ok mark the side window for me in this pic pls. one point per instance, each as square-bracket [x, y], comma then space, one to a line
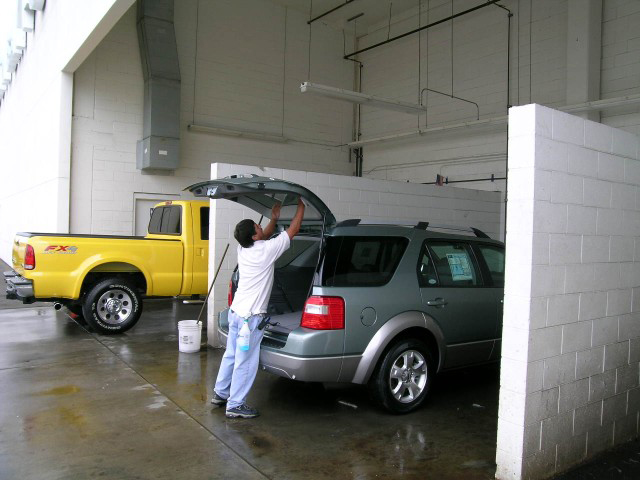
[453, 262]
[155, 220]
[166, 220]
[361, 261]
[494, 258]
[426, 270]
[204, 223]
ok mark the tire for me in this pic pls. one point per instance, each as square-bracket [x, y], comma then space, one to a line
[402, 380]
[112, 306]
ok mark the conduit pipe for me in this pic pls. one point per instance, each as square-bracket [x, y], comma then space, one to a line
[451, 96]
[446, 180]
[433, 24]
[347, 2]
[502, 120]
[467, 160]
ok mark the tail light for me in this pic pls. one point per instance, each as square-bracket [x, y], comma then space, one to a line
[323, 313]
[29, 258]
[230, 294]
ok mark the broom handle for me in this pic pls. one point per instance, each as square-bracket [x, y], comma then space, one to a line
[214, 281]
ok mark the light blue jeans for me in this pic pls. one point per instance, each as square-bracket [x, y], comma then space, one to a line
[238, 368]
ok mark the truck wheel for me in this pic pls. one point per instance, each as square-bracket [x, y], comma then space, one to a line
[402, 379]
[112, 306]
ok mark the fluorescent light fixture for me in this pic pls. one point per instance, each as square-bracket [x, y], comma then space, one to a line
[363, 98]
[227, 132]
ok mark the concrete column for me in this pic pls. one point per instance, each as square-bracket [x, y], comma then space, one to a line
[584, 43]
[65, 109]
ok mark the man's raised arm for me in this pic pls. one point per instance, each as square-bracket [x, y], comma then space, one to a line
[270, 228]
[294, 228]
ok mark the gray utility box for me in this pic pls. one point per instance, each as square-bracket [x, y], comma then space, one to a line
[158, 152]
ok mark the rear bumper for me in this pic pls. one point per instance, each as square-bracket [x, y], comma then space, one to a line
[18, 287]
[304, 369]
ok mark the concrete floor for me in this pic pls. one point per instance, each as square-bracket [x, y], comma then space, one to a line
[77, 405]
[80, 405]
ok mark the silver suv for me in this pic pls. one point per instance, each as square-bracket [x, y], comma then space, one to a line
[388, 306]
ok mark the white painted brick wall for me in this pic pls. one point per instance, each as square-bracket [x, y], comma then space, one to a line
[620, 59]
[582, 309]
[538, 51]
[220, 89]
[246, 82]
[347, 197]
[479, 74]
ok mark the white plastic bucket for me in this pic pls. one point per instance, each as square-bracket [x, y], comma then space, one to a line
[189, 335]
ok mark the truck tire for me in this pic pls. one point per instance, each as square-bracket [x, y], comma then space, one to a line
[403, 377]
[112, 306]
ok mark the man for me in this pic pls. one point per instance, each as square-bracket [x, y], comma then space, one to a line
[256, 257]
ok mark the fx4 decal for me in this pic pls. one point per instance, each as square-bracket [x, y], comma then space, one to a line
[60, 249]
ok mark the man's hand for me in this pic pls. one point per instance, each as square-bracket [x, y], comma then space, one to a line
[271, 227]
[275, 211]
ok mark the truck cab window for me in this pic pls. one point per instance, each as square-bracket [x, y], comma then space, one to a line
[204, 223]
[166, 220]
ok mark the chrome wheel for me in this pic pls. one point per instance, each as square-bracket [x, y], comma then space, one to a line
[114, 306]
[408, 376]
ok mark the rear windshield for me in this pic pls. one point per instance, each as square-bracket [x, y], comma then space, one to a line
[299, 253]
[166, 220]
[361, 261]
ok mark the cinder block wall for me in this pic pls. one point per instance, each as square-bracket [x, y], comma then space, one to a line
[468, 58]
[241, 65]
[571, 336]
[347, 197]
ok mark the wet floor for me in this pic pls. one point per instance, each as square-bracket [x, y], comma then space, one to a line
[80, 405]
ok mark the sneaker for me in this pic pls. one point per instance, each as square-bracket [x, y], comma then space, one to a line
[242, 411]
[218, 400]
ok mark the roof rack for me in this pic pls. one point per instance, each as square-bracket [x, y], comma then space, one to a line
[352, 222]
[477, 232]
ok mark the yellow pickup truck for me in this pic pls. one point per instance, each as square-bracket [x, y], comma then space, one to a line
[104, 278]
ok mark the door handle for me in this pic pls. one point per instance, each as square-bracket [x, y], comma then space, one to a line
[438, 302]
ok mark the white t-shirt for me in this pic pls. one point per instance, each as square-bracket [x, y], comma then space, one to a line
[256, 266]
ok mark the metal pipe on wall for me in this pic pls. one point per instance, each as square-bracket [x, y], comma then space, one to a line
[489, 2]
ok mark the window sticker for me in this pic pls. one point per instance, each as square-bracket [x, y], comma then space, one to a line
[460, 267]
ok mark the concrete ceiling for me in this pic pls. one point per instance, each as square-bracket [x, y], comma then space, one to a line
[375, 11]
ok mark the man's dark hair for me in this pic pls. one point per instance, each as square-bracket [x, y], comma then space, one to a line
[245, 229]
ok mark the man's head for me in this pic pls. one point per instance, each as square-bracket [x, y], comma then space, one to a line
[247, 231]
